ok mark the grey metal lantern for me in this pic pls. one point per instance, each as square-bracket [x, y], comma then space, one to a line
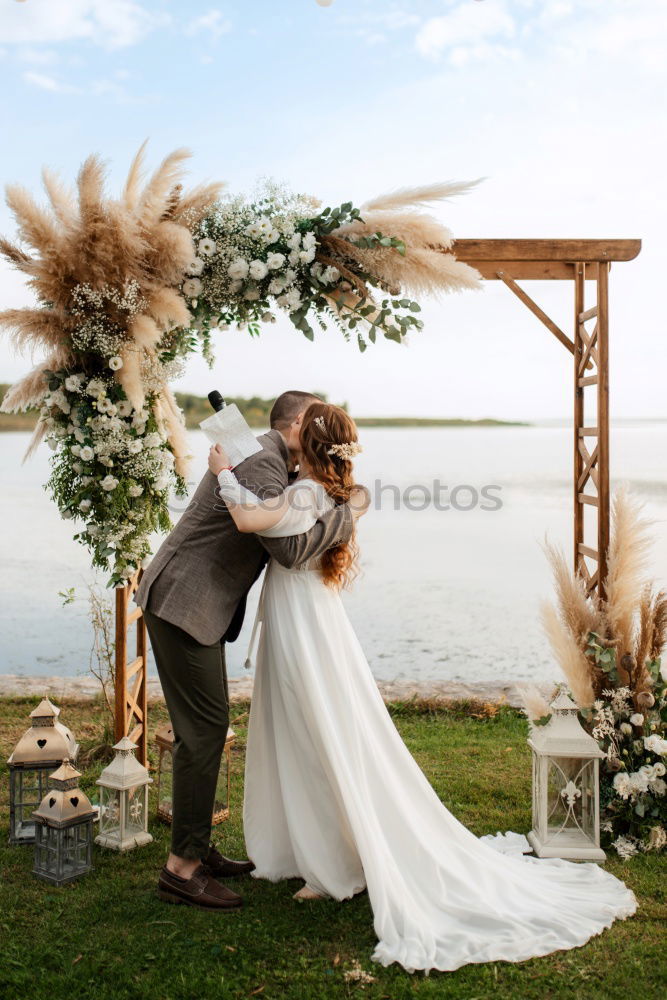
[566, 803]
[164, 738]
[124, 800]
[63, 829]
[39, 752]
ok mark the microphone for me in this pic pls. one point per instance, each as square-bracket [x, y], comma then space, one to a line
[216, 400]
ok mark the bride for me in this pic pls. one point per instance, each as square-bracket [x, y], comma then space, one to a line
[333, 795]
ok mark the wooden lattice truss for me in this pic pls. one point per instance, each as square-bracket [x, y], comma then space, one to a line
[509, 261]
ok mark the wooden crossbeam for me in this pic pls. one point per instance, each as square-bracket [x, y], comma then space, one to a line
[535, 309]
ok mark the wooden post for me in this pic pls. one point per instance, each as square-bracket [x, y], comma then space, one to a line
[603, 425]
[579, 306]
[130, 682]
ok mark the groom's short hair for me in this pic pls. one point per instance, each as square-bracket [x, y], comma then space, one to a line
[288, 406]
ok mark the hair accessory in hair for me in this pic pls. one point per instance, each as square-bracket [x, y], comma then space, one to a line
[320, 423]
[346, 451]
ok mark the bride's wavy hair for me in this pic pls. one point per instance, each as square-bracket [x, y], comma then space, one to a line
[325, 425]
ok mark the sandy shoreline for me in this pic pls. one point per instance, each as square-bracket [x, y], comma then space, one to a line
[240, 689]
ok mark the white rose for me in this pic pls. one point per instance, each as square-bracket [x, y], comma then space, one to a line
[659, 786]
[253, 230]
[309, 240]
[273, 236]
[105, 460]
[66, 515]
[139, 418]
[290, 275]
[78, 468]
[86, 453]
[115, 363]
[95, 387]
[109, 483]
[294, 256]
[93, 530]
[268, 317]
[305, 256]
[76, 450]
[192, 287]
[73, 383]
[655, 744]
[85, 506]
[275, 261]
[85, 480]
[135, 490]
[251, 294]
[626, 728]
[293, 299]
[196, 266]
[161, 483]
[330, 274]
[238, 269]
[235, 287]
[659, 769]
[135, 446]
[152, 440]
[637, 719]
[277, 286]
[294, 242]
[258, 269]
[207, 247]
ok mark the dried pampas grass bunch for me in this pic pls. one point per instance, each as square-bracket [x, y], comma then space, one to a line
[617, 642]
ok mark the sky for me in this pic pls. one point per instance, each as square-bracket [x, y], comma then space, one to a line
[559, 106]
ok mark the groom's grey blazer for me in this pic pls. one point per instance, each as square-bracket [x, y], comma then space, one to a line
[202, 572]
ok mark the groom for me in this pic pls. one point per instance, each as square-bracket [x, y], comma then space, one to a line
[193, 595]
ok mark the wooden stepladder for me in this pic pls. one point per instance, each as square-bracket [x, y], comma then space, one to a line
[131, 691]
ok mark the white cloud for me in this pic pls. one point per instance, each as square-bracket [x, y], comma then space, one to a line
[213, 23]
[49, 83]
[468, 24]
[109, 23]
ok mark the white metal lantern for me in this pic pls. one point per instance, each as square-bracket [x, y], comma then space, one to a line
[566, 803]
[124, 800]
[63, 829]
[40, 751]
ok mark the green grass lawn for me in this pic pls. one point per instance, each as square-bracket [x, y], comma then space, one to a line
[109, 937]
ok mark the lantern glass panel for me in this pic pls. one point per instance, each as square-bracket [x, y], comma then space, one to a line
[136, 800]
[63, 853]
[27, 787]
[570, 795]
[110, 812]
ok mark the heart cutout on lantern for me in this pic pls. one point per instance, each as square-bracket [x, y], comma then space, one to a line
[52, 802]
[74, 800]
[41, 744]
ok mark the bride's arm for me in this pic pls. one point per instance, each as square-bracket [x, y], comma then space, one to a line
[250, 514]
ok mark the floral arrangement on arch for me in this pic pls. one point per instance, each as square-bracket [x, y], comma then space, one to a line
[610, 654]
[128, 287]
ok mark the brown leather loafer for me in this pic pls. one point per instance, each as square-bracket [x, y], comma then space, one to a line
[219, 866]
[199, 890]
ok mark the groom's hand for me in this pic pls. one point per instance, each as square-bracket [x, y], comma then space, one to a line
[217, 459]
[360, 501]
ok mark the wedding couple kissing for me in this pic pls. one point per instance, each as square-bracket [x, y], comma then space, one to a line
[332, 795]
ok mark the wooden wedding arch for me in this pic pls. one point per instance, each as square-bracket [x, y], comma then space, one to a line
[575, 261]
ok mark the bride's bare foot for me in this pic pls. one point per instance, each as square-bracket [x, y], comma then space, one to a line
[307, 893]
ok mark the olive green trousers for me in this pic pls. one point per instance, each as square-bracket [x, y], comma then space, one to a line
[194, 683]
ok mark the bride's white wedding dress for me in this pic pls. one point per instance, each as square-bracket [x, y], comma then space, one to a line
[333, 795]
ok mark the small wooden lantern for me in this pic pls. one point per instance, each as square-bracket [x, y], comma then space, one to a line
[164, 739]
[40, 751]
[63, 829]
[124, 800]
[566, 790]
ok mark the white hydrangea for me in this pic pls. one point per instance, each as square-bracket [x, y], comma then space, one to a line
[135, 446]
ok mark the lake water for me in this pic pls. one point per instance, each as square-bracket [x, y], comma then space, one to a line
[444, 594]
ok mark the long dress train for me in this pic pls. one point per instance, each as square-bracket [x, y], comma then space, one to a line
[333, 795]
